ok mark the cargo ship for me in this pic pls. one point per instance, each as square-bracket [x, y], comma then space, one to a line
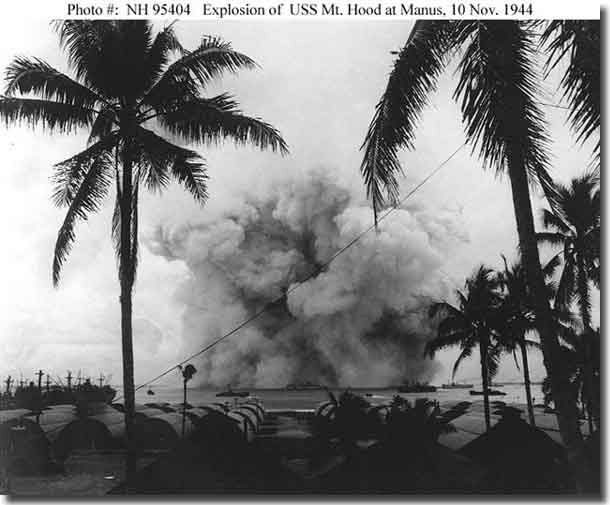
[40, 396]
[490, 392]
[456, 385]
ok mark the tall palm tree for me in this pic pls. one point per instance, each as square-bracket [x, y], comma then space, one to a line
[127, 80]
[469, 325]
[498, 93]
[575, 362]
[574, 225]
[517, 318]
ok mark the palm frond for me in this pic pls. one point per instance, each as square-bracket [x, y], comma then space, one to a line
[159, 54]
[103, 125]
[209, 121]
[580, 42]
[532, 344]
[160, 159]
[35, 76]
[197, 68]
[466, 353]
[443, 309]
[497, 91]
[548, 270]
[553, 221]
[88, 198]
[515, 359]
[565, 289]
[53, 116]
[442, 341]
[88, 44]
[69, 174]
[550, 238]
[583, 295]
[411, 81]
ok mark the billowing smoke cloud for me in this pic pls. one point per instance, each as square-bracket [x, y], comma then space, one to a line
[360, 321]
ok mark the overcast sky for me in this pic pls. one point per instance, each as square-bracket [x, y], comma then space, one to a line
[318, 84]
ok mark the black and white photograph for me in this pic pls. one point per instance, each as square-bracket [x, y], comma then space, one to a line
[301, 249]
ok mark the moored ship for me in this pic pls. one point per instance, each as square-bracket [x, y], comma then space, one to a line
[456, 385]
[37, 397]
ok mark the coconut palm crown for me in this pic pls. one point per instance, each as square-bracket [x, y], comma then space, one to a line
[129, 87]
[575, 227]
[125, 86]
[470, 325]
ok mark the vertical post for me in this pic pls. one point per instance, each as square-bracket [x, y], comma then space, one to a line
[48, 383]
[184, 409]
[40, 374]
[69, 379]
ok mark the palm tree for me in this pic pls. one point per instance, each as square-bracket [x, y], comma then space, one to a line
[576, 364]
[469, 325]
[574, 225]
[125, 80]
[498, 95]
[517, 318]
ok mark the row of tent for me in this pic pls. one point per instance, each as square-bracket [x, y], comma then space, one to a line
[30, 440]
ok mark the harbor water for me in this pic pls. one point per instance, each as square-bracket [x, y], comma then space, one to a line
[282, 399]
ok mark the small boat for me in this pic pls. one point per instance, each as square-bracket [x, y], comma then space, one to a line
[231, 393]
[490, 392]
[456, 385]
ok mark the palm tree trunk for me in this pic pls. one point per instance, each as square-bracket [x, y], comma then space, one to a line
[126, 278]
[565, 402]
[585, 316]
[485, 381]
[526, 380]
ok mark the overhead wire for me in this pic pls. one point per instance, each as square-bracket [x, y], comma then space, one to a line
[298, 284]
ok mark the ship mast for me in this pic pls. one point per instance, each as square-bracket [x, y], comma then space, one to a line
[40, 374]
[8, 382]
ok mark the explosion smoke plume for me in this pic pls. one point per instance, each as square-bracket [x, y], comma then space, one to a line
[360, 321]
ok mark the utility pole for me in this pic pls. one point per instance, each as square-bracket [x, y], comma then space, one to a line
[40, 374]
[101, 379]
[69, 379]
